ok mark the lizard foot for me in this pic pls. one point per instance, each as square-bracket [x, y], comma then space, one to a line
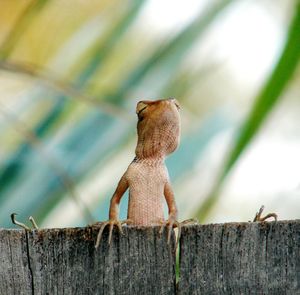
[258, 216]
[171, 223]
[111, 223]
[31, 219]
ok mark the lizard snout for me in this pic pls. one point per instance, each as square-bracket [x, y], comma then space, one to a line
[174, 101]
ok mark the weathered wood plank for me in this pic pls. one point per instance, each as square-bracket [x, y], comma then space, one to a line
[236, 258]
[65, 261]
[241, 258]
[15, 277]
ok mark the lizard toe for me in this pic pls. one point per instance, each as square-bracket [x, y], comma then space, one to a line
[259, 218]
[111, 223]
[172, 223]
[99, 236]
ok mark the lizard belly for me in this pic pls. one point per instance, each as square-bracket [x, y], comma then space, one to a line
[146, 191]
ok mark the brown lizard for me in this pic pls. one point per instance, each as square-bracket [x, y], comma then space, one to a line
[158, 130]
[147, 178]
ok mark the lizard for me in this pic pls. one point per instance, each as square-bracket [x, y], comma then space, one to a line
[158, 131]
[147, 178]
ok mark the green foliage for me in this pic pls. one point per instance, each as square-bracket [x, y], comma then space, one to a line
[75, 112]
[270, 94]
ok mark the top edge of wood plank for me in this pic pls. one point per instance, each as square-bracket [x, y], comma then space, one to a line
[157, 228]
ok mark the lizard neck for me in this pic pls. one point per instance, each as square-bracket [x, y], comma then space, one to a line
[151, 161]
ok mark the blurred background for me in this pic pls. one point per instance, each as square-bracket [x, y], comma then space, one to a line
[71, 73]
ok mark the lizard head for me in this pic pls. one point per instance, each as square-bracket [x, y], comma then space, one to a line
[158, 127]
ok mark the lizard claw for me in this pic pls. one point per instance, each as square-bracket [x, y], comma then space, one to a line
[111, 223]
[259, 213]
[31, 219]
[14, 221]
[171, 223]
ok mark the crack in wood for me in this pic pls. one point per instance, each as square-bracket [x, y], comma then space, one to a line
[223, 259]
[29, 263]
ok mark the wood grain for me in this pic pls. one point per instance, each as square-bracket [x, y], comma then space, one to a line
[65, 261]
[15, 276]
[241, 258]
[215, 259]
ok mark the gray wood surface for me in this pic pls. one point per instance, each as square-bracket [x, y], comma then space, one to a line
[241, 258]
[15, 276]
[64, 261]
[231, 259]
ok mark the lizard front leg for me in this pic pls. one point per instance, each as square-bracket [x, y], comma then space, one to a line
[173, 212]
[114, 212]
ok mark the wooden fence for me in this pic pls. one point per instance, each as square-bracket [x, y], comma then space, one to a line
[233, 258]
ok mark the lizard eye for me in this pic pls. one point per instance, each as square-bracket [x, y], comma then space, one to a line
[141, 110]
[140, 107]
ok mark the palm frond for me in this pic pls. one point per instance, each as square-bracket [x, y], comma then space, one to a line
[270, 94]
